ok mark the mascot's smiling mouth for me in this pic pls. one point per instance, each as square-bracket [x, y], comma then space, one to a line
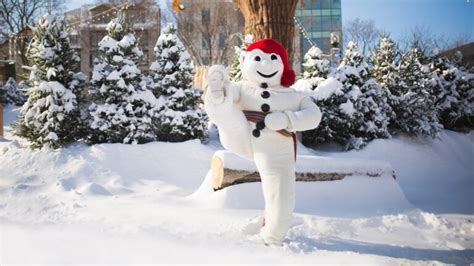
[267, 76]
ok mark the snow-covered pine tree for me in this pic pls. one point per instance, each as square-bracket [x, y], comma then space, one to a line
[465, 88]
[122, 106]
[372, 116]
[384, 61]
[234, 70]
[367, 105]
[50, 116]
[335, 124]
[357, 111]
[316, 67]
[454, 91]
[415, 111]
[180, 118]
[338, 107]
[11, 93]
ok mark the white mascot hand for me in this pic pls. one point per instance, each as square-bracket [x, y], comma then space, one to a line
[276, 121]
[217, 79]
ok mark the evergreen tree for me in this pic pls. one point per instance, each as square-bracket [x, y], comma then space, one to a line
[384, 60]
[234, 71]
[123, 107]
[50, 116]
[464, 118]
[356, 111]
[335, 124]
[372, 115]
[338, 106]
[10, 93]
[415, 109]
[180, 118]
[316, 67]
[454, 94]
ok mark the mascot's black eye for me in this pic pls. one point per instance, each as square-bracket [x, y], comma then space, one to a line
[257, 58]
[274, 57]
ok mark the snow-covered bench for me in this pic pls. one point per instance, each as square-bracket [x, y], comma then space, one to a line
[229, 169]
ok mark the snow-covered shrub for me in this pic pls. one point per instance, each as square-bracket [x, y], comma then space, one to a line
[50, 116]
[122, 106]
[234, 70]
[355, 109]
[454, 91]
[316, 67]
[11, 93]
[180, 118]
[415, 105]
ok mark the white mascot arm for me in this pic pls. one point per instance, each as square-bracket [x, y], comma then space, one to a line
[220, 103]
[307, 117]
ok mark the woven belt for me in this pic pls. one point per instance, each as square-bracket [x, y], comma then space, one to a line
[256, 116]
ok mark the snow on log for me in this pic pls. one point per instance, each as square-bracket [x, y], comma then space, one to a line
[229, 169]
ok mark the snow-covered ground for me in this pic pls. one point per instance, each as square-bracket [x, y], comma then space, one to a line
[115, 203]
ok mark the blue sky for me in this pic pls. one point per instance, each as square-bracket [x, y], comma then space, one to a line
[442, 17]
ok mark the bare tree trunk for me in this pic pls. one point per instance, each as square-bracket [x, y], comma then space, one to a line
[270, 19]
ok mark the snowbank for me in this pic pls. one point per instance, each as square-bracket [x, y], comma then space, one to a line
[435, 175]
[116, 203]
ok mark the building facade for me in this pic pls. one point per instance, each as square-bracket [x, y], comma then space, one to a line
[209, 29]
[319, 18]
[13, 55]
[88, 28]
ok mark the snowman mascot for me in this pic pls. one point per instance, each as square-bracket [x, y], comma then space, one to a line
[257, 119]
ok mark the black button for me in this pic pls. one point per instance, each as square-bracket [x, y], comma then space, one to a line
[265, 107]
[264, 85]
[260, 125]
[265, 94]
[256, 133]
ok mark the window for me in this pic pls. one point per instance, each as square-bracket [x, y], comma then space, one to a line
[144, 59]
[204, 44]
[325, 3]
[336, 12]
[96, 37]
[206, 15]
[336, 22]
[221, 40]
[307, 23]
[75, 39]
[93, 55]
[325, 12]
[326, 22]
[142, 37]
[336, 4]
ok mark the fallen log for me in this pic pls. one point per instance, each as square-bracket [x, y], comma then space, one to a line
[229, 169]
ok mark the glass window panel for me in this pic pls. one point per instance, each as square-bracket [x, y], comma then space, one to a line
[316, 26]
[325, 3]
[326, 23]
[307, 23]
[316, 12]
[336, 22]
[315, 34]
[336, 12]
[325, 12]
